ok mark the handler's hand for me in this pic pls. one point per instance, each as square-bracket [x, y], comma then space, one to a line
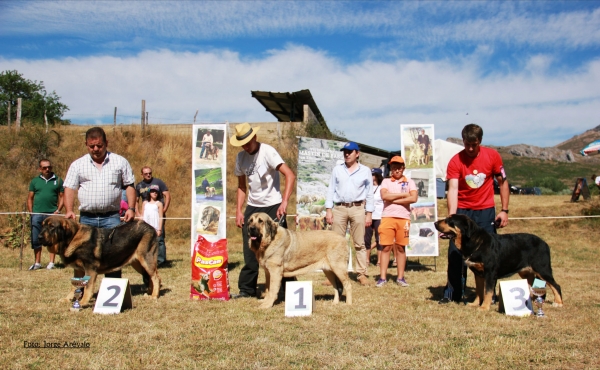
[501, 220]
[281, 210]
[129, 215]
[329, 216]
[239, 219]
[70, 214]
[368, 219]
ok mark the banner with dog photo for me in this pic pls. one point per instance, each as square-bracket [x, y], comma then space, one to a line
[209, 272]
[417, 151]
[316, 159]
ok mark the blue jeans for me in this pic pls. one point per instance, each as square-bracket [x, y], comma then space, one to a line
[162, 248]
[36, 228]
[104, 222]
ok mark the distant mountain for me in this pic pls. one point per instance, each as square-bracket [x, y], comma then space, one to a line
[577, 142]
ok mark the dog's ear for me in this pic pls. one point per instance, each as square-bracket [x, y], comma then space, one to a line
[215, 215]
[271, 227]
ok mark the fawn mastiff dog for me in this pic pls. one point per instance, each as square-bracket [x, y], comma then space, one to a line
[92, 251]
[495, 256]
[285, 253]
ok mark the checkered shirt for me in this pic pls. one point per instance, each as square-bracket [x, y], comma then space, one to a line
[99, 191]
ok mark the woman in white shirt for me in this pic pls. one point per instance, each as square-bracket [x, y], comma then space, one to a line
[376, 217]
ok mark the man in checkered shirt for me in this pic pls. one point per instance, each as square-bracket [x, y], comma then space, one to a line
[98, 178]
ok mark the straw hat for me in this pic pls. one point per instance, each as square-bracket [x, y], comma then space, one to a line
[243, 134]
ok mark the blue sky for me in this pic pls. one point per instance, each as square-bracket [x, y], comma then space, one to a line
[527, 72]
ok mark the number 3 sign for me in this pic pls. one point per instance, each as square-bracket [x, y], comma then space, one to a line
[299, 298]
[515, 294]
[114, 296]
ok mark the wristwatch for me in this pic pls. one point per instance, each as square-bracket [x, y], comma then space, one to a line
[133, 209]
[505, 211]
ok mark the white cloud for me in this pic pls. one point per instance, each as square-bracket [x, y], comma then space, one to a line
[417, 23]
[366, 100]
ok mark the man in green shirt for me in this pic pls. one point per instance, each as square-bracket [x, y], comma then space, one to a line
[45, 199]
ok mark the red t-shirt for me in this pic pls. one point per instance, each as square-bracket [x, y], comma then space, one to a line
[476, 177]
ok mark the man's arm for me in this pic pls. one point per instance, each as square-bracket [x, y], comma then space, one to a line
[167, 199]
[241, 198]
[504, 197]
[290, 179]
[30, 201]
[452, 196]
[60, 202]
[131, 201]
[69, 200]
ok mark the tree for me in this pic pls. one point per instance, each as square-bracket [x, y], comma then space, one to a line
[35, 100]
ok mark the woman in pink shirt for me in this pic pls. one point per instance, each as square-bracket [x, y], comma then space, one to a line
[398, 193]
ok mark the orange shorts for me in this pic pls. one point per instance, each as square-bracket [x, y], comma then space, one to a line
[393, 230]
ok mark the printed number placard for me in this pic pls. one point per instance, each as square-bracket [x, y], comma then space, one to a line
[516, 297]
[114, 296]
[299, 298]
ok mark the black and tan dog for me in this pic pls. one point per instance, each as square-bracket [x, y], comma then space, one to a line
[286, 253]
[493, 256]
[92, 251]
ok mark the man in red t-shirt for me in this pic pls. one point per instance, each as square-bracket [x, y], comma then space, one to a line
[470, 176]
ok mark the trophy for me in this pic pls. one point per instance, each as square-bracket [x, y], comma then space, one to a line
[78, 283]
[538, 289]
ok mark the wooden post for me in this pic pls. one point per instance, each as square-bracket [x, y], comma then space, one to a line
[143, 114]
[19, 104]
[194, 115]
[115, 119]
[46, 121]
[9, 105]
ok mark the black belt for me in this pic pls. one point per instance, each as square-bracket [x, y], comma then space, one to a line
[93, 214]
[351, 204]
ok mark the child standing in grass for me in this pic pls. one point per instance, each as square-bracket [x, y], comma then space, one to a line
[152, 209]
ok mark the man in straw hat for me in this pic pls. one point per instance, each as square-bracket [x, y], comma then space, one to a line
[350, 191]
[257, 168]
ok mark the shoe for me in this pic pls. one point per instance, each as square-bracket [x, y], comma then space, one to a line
[380, 283]
[402, 282]
[241, 295]
[35, 266]
[363, 280]
[377, 264]
[50, 266]
[444, 300]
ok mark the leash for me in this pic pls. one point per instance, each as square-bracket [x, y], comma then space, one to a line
[281, 220]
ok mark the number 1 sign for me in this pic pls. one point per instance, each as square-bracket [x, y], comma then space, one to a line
[299, 298]
[114, 296]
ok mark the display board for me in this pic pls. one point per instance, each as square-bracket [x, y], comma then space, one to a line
[417, 144]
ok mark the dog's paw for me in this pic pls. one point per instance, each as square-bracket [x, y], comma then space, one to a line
[473, 304]
[266, 305]
[483, 308]
[557, 304]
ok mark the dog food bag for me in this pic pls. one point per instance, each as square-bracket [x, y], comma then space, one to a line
[210, 277]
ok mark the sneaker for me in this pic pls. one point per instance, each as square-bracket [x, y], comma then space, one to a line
[35, 266]
[380, 283]
[50, 266]
[402, 282]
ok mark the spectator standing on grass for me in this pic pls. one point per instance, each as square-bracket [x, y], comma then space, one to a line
[398, 193]
[45, 199]
[98, 178]
[471, 192]
[142, 190]
[377, 175]
[152, 209]
[350, 201]
[596, 180]
[257, 168]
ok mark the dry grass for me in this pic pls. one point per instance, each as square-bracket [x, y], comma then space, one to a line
[391, 327]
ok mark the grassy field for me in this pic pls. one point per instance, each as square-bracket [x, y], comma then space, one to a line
[391, 327]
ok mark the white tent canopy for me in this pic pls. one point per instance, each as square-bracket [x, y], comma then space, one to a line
[444, 151]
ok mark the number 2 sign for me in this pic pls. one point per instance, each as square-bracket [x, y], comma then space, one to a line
[114, 296]
[515, 294]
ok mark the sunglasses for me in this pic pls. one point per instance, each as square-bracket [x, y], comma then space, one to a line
[46, 167]
[146, 173]
[99, 146]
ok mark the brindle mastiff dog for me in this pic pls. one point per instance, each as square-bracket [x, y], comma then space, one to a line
[92, 251]
[282, 252]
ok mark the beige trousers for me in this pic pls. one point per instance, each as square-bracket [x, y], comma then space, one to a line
[354, 215]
